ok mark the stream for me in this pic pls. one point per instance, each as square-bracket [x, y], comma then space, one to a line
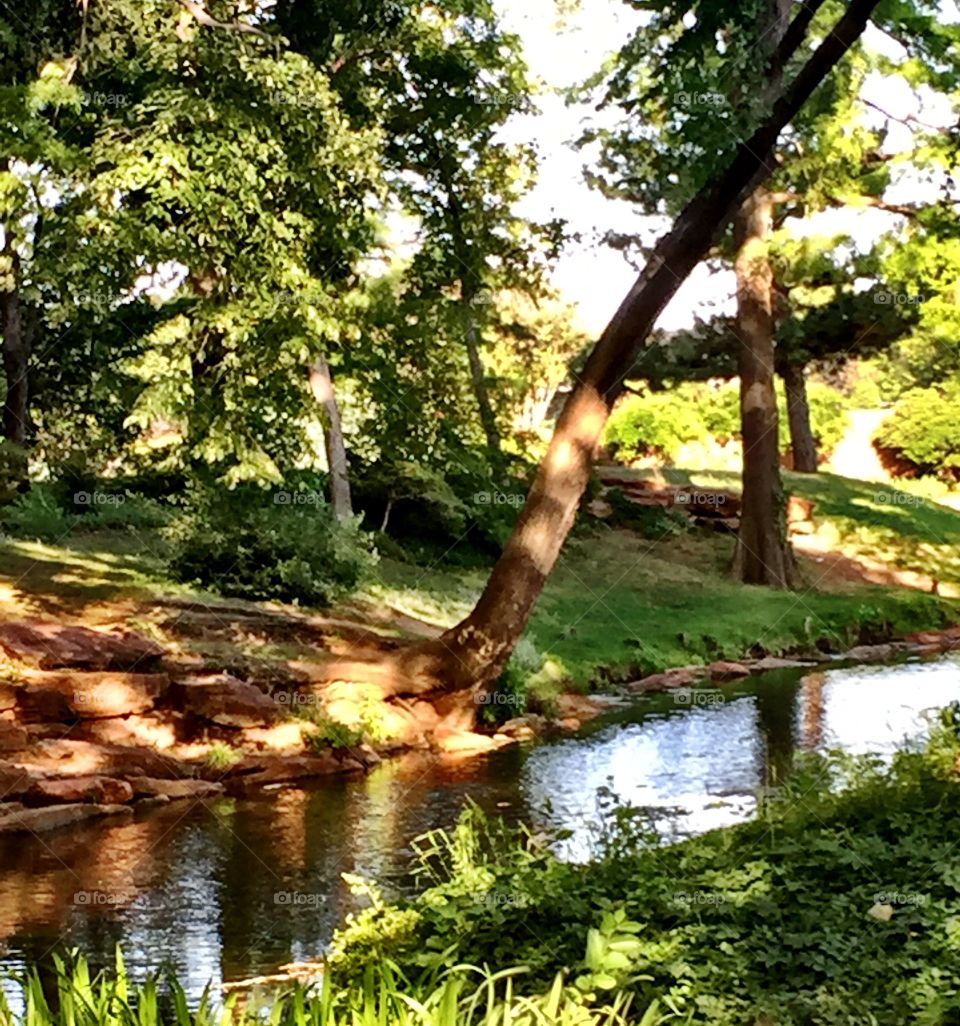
[230, 888]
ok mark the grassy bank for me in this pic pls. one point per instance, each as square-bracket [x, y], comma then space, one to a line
[621, 603]
[836, 906]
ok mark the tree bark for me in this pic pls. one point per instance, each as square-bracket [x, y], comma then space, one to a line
[763, 554]
[16, 355]
[802, 441]
[475, 652]
[321, 384]
[471, 337]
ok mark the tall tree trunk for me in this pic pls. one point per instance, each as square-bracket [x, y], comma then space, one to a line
[763, 554]
[802, 442]
[478, 379]
[474, 653]
[16, 355]
[321, 384]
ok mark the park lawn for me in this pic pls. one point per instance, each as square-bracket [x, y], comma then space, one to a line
[617, 606]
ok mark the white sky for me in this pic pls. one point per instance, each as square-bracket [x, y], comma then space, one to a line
[590, 274]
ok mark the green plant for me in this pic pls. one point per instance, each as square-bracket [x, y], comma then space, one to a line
[37, 514]
[381, 996]
[328, 733]
[269, 545]
[221, 756]
[924, 431]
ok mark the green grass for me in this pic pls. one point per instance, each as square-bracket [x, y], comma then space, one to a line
[616, 607]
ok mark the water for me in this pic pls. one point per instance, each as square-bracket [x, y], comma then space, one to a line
[227, 889]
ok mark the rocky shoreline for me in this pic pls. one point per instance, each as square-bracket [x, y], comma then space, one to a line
[100, 722]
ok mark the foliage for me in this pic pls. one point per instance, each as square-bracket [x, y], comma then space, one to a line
[221, 756]
[463, 996]
[269, 545]
[835, 906]
[38, 514]
[660, 423]
[924, 430]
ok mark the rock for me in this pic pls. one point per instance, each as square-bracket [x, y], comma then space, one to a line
[799, 509]
[599, 508]
[8, 695]
[281, 737]
[870, 653]
[768, 663]
[53, 816]
[723, 671]
[154, 730]
[458, 742]
[15, 781]
[99, 790]
[66, 696]
[227, 701]
[524, 727]
[284, 769]
[154, 787]
[803, 527]
[568, 723]
[50, 646]
[365, 755]
[679, 677]
[13, 737]
[66, 757]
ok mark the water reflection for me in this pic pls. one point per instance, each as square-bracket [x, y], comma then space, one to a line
[225, 889]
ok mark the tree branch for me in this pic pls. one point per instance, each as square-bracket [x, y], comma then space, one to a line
[208, 21]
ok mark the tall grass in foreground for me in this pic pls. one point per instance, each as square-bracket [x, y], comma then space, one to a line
[463, 996]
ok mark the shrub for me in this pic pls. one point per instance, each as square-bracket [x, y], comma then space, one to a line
[38, 515]
[255, 544]
[655, 424]
[923, 434]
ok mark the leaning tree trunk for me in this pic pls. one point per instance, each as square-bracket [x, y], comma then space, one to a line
[16, 355]
[763, 554]
[321, 384]
[802, 442]
[475, 652]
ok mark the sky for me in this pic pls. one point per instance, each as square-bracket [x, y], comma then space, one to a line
[590, 275]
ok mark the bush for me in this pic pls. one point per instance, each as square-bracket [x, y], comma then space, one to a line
[923, 434]
[285, 544]
[38, 515]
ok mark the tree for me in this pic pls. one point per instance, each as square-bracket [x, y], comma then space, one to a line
[474, 652]
[830, 157]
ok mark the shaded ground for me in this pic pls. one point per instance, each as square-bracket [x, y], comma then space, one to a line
[618, 605]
